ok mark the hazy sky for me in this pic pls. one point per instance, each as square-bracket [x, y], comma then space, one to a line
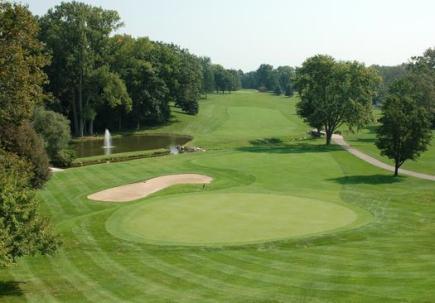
[245, 33]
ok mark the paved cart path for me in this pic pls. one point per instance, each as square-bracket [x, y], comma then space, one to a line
[340, 141]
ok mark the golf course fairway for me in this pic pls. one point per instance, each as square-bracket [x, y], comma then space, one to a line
[285, 219]
[227, 219]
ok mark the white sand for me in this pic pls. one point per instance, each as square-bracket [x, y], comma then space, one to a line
[130, 192]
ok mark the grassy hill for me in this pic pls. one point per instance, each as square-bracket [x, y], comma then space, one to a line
[256, 147]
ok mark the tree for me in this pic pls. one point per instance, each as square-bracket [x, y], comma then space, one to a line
[23, 160]
[141, 64]
[21, 61]
[23, 231]
[233, 80]
[266, 78]
[388, 75]
[285, 75]
[335, 93]
[77, 36]
[208, 80]
[422, 74]
[249, 80]
[190, 80]
[21, 80]
[221, 78]
[404, 132]
[55, 130]
[104, 89]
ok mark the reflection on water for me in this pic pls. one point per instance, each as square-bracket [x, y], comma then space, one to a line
[128, 144]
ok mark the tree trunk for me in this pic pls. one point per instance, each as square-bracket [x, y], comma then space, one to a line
[396, 168]
[328, 137]
[75, 118]
[81, 122]
[91, 127]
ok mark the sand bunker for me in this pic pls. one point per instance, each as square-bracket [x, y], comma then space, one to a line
[130, 192]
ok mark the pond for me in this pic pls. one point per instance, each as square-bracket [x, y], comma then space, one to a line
[122, 144]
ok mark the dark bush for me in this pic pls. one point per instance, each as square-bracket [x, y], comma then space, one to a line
[64, 158]
[30, 146]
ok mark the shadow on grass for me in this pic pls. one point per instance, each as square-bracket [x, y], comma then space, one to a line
[266, 141]
[365, 140]
[364, 179]
[10, 288]
[277, 146]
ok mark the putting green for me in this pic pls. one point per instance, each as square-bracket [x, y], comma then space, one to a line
[228, 219]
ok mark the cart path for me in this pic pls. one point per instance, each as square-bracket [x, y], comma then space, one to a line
[338, 139]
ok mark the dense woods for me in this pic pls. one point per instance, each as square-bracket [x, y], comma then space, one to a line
[100, 80]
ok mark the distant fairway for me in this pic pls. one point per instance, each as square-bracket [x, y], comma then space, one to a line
[226, 219]
[272, 185]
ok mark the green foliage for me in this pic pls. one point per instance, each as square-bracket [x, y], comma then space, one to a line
[422, 75]
[30, 146]
[54, 129]
[389, 260]
[208, 79]
[77, 35]
[277, 91]
[266, 78]
[64, 158]
[249, 80]
[285, 76]
[21, 62]
[22, 230]
[388, 74]
[404, 132]
[334, 93]
[226, 79]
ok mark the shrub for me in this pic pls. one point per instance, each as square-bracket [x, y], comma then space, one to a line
[22, 230]
[55, 129]
[29, 145]
[64, 158]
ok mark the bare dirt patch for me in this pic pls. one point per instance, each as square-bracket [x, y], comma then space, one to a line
[130, 192]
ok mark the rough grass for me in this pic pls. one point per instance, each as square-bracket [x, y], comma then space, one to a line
[391, 259]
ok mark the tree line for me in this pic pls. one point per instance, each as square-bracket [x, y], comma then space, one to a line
[67, 70]
[279, 80]
[101, 81]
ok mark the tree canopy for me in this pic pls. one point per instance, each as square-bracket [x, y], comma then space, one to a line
[404, 132]
[279, 80]
[23, 160]
[335, 93]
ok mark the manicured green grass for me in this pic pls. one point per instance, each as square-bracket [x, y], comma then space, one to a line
[214, 219]
[389, 259]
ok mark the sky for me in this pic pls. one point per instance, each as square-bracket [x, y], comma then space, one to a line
[243, 34]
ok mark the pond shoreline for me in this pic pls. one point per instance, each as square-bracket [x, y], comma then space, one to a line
[133, 142]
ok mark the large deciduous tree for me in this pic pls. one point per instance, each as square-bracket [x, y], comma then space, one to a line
[77, 36]
[266, 78]
[335, 93]
[208, 79]
[55, 130]
[422, 74]
[23, 231]
[23, 160]
[21, 61]
[404, 132]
